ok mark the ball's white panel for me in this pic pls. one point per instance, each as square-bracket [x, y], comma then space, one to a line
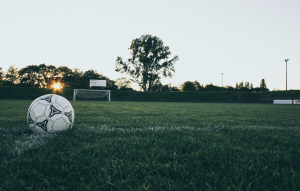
[33, 103]
[68, 108]
[39, 109]
[50, 125]
[60, 125]
[62, 101]
[66, 118]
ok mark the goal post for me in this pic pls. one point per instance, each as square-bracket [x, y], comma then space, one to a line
[91, 94]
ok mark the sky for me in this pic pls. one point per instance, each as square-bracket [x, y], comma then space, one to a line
[246, 40]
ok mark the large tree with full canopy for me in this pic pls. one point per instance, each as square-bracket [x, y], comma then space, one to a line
[148, 62]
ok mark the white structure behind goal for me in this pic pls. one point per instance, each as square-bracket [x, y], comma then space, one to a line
[97, 83]
[91, 94]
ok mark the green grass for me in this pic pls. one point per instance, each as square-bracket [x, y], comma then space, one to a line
[154, 146]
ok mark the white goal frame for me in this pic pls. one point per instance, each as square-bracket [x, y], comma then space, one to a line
[75, 93]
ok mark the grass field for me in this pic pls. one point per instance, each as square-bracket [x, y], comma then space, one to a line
[154, 146]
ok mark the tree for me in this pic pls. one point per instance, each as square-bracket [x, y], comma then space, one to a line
[48, 74]
[236, 86]
[198, 86]
[229, 88]
[110, 84]
[30, 76]
[148, 62]
[174, 89]
[241, 85]
[123, 83]
[63, 75]
[71, 78]
[211, 87]
[251, 87]
[188, 86]
[156, 86]
[263, 85]
[165, 88]
[247, 85]
[75, 78]
[11, 76]
[41, 76]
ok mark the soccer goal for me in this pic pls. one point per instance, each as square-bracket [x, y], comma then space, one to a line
[91, 94]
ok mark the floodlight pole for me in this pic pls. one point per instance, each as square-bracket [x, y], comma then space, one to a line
[222, 81]
[286, 60]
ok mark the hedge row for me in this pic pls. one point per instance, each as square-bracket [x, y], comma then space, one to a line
[118, 95]
[11, 92]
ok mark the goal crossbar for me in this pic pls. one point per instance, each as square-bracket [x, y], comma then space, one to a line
[92, 94]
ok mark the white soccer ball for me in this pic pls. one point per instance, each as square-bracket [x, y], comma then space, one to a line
[50, 113]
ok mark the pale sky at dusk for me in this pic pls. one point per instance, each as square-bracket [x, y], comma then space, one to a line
[247, 40]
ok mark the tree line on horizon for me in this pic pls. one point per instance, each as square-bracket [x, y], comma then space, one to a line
[196, 86]
[149, 62]
[44, 76]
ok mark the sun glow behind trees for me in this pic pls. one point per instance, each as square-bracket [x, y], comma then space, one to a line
[46, 76]
[57, 86]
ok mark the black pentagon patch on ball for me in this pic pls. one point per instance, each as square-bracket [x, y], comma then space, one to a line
[30, 119]
[54, 111]
[69, 115]
[48, 98]
[43, 124]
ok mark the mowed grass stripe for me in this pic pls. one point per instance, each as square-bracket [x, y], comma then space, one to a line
[149, 114]
[174, 148]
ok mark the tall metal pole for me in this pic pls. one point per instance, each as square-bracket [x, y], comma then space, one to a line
[286, 60]
[222, 81]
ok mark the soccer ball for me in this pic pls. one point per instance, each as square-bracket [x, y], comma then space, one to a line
[50, 113]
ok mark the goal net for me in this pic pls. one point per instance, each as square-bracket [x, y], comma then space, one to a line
[91, 94]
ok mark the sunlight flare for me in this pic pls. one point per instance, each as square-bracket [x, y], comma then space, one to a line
[57, 86]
